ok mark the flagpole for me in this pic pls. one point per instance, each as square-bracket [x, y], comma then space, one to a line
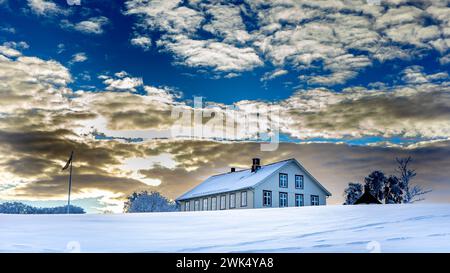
[70, 187]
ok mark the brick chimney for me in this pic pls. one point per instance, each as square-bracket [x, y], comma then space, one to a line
[256, 164]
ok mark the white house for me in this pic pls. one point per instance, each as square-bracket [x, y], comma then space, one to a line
[281, 184]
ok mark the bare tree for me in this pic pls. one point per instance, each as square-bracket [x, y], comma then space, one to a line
[412, 193]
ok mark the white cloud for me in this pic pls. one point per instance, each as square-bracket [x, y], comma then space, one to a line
[415, 75]
[30, 82]
[399, 16]
[342, 68]
[73, 2]
[61, 48]
[121, 74]
[8, 29]
[79, 57]
[180, 24]
[45, 7]
[227, 24]
[9, 51]
[13, 49]
[17, 45]
[85, 76]
[165, 94]
[274, 74]
[221, 57]
[94, 25]
[122, 82]
[166, 15]
[445, 60]
[413, 34]
[143, 42]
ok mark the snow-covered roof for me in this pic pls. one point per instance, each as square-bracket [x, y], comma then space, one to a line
[238, 180]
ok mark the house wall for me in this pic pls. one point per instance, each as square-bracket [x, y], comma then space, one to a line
[250, 201]
[272, 184]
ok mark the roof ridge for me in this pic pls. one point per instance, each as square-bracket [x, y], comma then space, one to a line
[249, 168]
[228, 172]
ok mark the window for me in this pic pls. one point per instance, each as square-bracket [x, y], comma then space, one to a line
[186, 206]
[314, 200]
[205, 204]
[197, 205]
[243, 199]
[223, 203]
[283, 180]
[299, 181]
[283, 199]
[214, 203]
[267, 198]
[299, 200]
[232, 201]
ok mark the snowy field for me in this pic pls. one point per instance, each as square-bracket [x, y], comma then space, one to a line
[367, 228]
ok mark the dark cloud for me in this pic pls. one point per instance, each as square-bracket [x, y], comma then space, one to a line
[57, 185]
[30, 166]
[424, 113]
[131, 120]
[38, 156]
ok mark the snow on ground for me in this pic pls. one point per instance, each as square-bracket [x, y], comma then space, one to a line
[366, 228]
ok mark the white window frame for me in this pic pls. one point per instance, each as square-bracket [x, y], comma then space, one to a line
[243, 198]
[232, 200]
[205, 199]
[302, 203]
[285, 183]
[268, 197]
[223, 202]
[315, 201]
[213, 203]
[286, 200]
[187, 206]
[197, 205]
[301, 181]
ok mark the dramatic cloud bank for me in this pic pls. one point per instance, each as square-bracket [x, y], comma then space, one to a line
[117, 135]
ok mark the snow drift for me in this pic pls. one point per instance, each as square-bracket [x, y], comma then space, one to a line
[365, 228]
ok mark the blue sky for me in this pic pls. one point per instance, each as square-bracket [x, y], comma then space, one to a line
[350, 73]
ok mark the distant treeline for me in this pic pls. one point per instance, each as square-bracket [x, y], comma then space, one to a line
[20, 208]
